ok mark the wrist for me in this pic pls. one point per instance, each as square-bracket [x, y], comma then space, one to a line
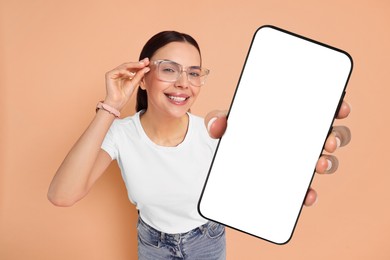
[108, 108]
[112, 103]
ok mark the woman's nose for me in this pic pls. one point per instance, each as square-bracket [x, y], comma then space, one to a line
[182, 81]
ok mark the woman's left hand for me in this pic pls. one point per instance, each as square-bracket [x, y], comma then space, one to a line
[216, 123]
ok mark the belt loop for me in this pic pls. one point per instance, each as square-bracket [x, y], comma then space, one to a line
[203, 227]
[177, 238]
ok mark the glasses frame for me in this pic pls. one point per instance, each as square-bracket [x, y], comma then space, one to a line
[204, 72]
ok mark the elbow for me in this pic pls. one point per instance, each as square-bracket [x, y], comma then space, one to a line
[65, 195]
[60, 201]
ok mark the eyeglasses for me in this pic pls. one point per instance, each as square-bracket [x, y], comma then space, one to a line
[171, 71]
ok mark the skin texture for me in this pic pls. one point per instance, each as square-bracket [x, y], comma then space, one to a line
[165, 122]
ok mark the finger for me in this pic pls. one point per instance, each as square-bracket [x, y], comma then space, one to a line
[139, 75]
[311, 197]
[343, 135]
[340, 136]
[344, 111]
[121, 74]
[139, 65]
[129, 68]
[332, 142]
[327, 164]
[216, 123]
[142, 69]
[135, 65]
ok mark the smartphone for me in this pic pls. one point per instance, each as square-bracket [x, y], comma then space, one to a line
[283, 108]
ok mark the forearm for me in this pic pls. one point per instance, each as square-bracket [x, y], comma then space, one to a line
[72, 180]
[86, 161]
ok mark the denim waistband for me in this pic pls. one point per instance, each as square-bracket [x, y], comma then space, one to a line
[175, 237]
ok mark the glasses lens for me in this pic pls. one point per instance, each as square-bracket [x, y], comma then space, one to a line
[169, 71]
[195, 76]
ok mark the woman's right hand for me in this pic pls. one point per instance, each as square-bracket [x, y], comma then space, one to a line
[121, 82]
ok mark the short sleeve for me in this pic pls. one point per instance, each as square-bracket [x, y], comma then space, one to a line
[109, 144]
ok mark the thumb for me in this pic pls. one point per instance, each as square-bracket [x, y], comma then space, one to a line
[216, 123]
[139, 75]
[135, 81]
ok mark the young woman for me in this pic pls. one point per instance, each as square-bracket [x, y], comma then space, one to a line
[163, 150]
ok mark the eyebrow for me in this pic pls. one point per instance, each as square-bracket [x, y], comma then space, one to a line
[194, 66]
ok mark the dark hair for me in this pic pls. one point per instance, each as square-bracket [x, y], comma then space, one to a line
[156, 42]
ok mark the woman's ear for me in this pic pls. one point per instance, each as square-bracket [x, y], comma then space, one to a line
[142, 83]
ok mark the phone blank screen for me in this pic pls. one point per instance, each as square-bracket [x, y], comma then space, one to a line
[282, 111]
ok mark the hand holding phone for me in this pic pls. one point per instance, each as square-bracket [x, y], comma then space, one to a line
[283, 109]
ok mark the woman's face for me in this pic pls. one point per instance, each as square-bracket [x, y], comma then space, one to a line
[172, 99]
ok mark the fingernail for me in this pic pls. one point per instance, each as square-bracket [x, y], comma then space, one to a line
[338, 142]
[212, 120]
[147, 69]
[329, 164]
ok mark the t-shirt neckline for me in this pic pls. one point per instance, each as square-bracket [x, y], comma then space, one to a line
[157, 146]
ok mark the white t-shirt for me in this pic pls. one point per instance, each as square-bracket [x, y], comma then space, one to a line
[163, 182]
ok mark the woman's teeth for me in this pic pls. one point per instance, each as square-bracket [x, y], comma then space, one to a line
[177, 99]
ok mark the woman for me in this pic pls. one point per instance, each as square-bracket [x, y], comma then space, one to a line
[163, 150]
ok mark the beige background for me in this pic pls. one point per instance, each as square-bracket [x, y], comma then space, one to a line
[53, 58]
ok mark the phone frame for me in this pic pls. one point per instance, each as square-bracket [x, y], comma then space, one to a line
[336, 110]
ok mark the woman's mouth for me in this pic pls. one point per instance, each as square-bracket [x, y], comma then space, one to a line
[177, 99]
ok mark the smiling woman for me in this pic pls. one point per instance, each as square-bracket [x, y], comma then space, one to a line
[153, 45]
[163, 151]
[169, 76]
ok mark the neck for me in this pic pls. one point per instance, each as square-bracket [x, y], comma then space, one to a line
[164, 130]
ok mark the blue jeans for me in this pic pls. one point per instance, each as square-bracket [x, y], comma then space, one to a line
[206, 242]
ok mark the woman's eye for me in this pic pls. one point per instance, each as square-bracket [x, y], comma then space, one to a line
[194, 74]
[169, 70]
